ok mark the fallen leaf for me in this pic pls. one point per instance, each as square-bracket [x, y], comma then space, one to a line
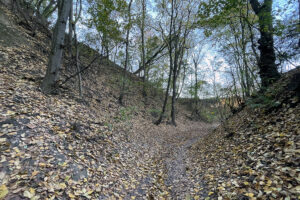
[3, 191]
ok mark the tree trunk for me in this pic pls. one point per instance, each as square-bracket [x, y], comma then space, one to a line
[267, 68]
[171, 65]
[182, 85]
[77, 65]
[78, 13]
[52, 73]
[166, 97]
[173, 111]
[175, 74]
[143, 46]
[70, 29]
[195, 110]
[126, 55]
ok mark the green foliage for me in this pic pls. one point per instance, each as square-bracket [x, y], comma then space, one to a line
[153, 87]
[265, 101]
[126, 113]
[197, 86]
[154, 112]
[109, 125]
[104, 18]
[207, 115]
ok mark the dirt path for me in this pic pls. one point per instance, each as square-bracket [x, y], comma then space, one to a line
[176, 160]
[170, 146]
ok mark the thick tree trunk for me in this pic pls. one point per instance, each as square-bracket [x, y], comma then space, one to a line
[52, 74]
[175, 74]
[173, 111]
[267, 68]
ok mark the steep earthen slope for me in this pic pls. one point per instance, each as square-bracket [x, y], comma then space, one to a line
[257, 155]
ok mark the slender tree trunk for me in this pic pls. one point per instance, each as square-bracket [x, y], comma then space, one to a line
[245, 63]
[78, 13]
[175, 74]
[77, 64]
[52, 73]
[70, 29]
[196, 86]
[182, 85]
[268, 69]
[121, 97]
[166, 97]
[143, 46]
[179, 46]
[170, 46]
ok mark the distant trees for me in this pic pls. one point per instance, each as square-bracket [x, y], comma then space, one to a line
[157, 45]
[179, 16]
[194, 89]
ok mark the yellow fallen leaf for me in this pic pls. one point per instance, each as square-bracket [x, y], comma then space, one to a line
[9, 112]
[2, 139]
[34, 173]
[249, 195]
[42, 164]
[72, 196]
[62, 186]
[32, 190]
[90, 191]
[16, 149]
[246, 183]
[63, 164]
[210, 193]
[67, 178]
[196, 197]
[3, 191]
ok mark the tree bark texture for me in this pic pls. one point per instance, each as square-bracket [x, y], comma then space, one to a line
[267, 68]
[57, 47]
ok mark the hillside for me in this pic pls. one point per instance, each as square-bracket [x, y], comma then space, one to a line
[63, 146]
[256, 154]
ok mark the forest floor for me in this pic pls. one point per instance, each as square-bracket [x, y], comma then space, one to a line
[53, 147]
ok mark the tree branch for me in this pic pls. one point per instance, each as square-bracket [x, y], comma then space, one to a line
[255, 6]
